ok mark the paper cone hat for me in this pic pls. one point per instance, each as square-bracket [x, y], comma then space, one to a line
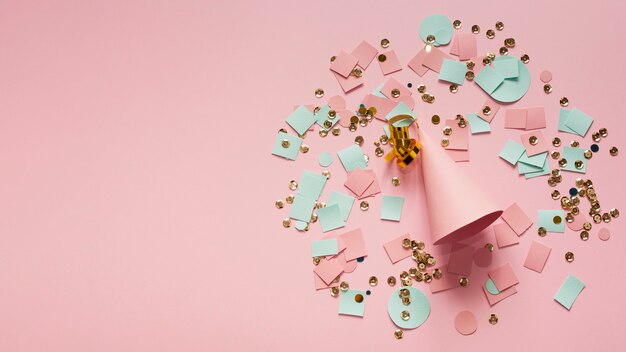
[457, 208]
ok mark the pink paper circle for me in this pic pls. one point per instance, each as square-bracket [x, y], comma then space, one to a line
[579, 221]
[344, 117]
[482, 257]
[604, 234]
[337, 102]
[545, 76]
[465, 323]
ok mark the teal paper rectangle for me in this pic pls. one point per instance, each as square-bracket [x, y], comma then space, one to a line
[344, 201]
[391, 208]
[569, 291]
[324, 247]
[452, 71]
[290, 152]
[546, 220]
[478, 125]
[512, 151]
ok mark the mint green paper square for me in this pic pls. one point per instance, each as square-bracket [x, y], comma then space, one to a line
[330, 217]
[569, 291]
[349, 306]
[344, 201]
[302, 207]
[401, 109]
[452, 71]
[311, 184]
[324, 247]
[507, 66]
[525, 168]
[478, 125]
[571, 154]
[322, 116]
[544, 171]
[488, 79]
[512, 151]
[352, 157]
[301, 119]
[578, 122]
[546, 219]
[290, 152]
[391, 208]
[563, 117]
[537, 160]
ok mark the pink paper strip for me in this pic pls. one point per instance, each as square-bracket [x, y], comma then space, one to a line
[446, 282]
[540, 147]
[493, 105]
[328, 270]
[515, 118]
[459, 139]
[383, 106]
[434, 59]
[358, 181]
[350, 83]
[391, 64]
[467, 46]
[535, 118]
[392, 84]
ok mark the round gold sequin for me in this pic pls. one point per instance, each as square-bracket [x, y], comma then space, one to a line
[379, 152]
[547, 88]
[437, 274]
[597, 218]
[490, 33]
[504, 51]
[447, 131]
[395, 181]
[555, 154]
[358, 298]
[574, 143]
[430, 39]
[290, 198]
[435, 119]
[454, 88]
[383, 139]
[334, 291]
[486, 110]
[287, 223]
[469, 75]
[486, 61]
[395, 92]
[606, 217]
[493, 319]
[556, 141]
[541, 231]
[525, 58]
[588, 154]
[470, 65]
[382, 57]
[398, 334]
[385, 43]
[323, 133]
[313, 218]
[391, 281]
[578, 164]
[357, 72]
[563, 162]
[491, 56]
[332, 59]
[564, 101]
[569, 257]
[336, 131]
[499, 25]
[613, 151]
[293, 185]
[373, 281]
[365, 205]
[489, 247]
[557, 219]
[285, 143]
[509, 43]
[405, 315]
[319, 92]
[603, 132]
[533, 140]
[359, 140]
[304, 149]
[279, 204]
[614, 213]
[316, 260]
[475, 29]
[584, 235]
[457, 24]
[406, 243]
[344, 286]
[326, 174]
[445, 142]
[421, 88]
[464, 281]
[595, 136]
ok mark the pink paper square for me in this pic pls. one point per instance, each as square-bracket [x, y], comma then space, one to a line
[341, 245]
[348, 265]
[358, 181]
[459, 139]
[517, 219]
[540, 147]
[343, 64]
[373, 189]
[350, 83]
[458, 155]
[454, 46]
[461, 259]
[493, 299]
[434, 59]
[364, 53]
[515, 118]
[416, 63]
[495, 107]
[328, 270]
[320, 284]
[537, 256]
[383, 106]
[392, 84]
[504, 277]
[396, 251]
[535, 118]
[446, 282]
[355, 244]
[391, 64]
[505, 236]
[467, 46]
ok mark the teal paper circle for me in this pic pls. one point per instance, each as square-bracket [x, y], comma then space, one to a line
[512, 89]
[325, 159]
[419, 308]
[439, 26]
[491, 287]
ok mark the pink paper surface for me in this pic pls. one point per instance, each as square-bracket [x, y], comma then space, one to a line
[515, 118]
[391, 64]
[503, 277]
[355, 244]
[516, 218]
[364, 53]
[383, 105]
[434, 59]
[358, 181]
[328, 270]
[535, 118]
[579, 221]
[348, 266]
[392, 84]
[493, 299]
[319, 284]
[416, 63]
[505, 236]
[540, 147]
[396, 251]
[537, 256]
[461, 259]
[343, 64]
[495, 107]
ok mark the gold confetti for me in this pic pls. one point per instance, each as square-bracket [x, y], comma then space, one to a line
[541, 231]
[504, 51]
[464, 281]
[398, 334]
[547, 88]
[475, 29]
[334, 291]
[395, 181]
[457, 24]
[613, 151]
[385, 43]
[382, 58]
[490, 34]
[469, 75]
[509, 43]
[421, 88]
[564, 101]
[365, 205]
[287, 223]
[430, 39]
[435, 119]
[395, 92]
[454, 88]
[569, 257]
[499, 25]
[344, 286]
[525, 58]
[319, 92]
[373, 281]
[493, 319]
[279, 204]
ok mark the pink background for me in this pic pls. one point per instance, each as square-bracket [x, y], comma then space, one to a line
[137, 194]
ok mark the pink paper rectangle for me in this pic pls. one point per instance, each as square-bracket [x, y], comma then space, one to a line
[391, 63]
[493, 299]
[505, 236]
[392, 84]
[537, 256]
[396, 251]
[446, 282]
[383, 105]
[458, 155]
[461, 259]
[364, 54]
[515, 118]
[328, 270]
[358, 181]
[416, 63]
[373, 189]
[343, 64]
[434, 59]
[517, 219]
[454, 46]
[459, 139]
[467, 46]
[355, 244]
[541, 145]
[350, 83]
[493, 105]
[535, 118]
[504, 277]
[320, 284]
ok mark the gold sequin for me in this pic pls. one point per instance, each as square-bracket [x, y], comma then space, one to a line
[391, 281]
[489, 247]
[395, 181]
[287, 223]
[435, 119]
[493, 319]
[326, 173]
[336, 131]
[332, 59]
[365, 205]
[584, 235]
[316, 260]
[285, 143]
[533, 140]
[569, 257]
[486, 61]
[574, 143]
[555, 154]
[293, 185]
[595, 136]
[382, 58]
[395, 92]
[359, 140]
[421, 88]
[279, 204]
[614, 213]
[328, 124]
[490, 33]
[525, 58]
[344, 286]
[597, 218]
[564, 101]
[319, 92]
[385, 43]
[323, 133]
[504, 51]
[373, 281]
[603, 132]
[469, 75]
[430, 39]
[447, 131]
[304, 149]
[470, 65]
[457, 24]
[556, 141]
[557, 219]
[563, 162]
[437, 274]
[454, 88]
[606, 217]
[578, 164]
[509, 42]
[357, 72]
[405, 315]
[486, 110]
[334, 291]
[289, 199]
[464, 281]
[358, 298]
[445, 142]
[541, 231]
[379, 152]
[588, 154]
[613, 151]
[499, 25]
[475, 29]
[398, 334]
[547, 88]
